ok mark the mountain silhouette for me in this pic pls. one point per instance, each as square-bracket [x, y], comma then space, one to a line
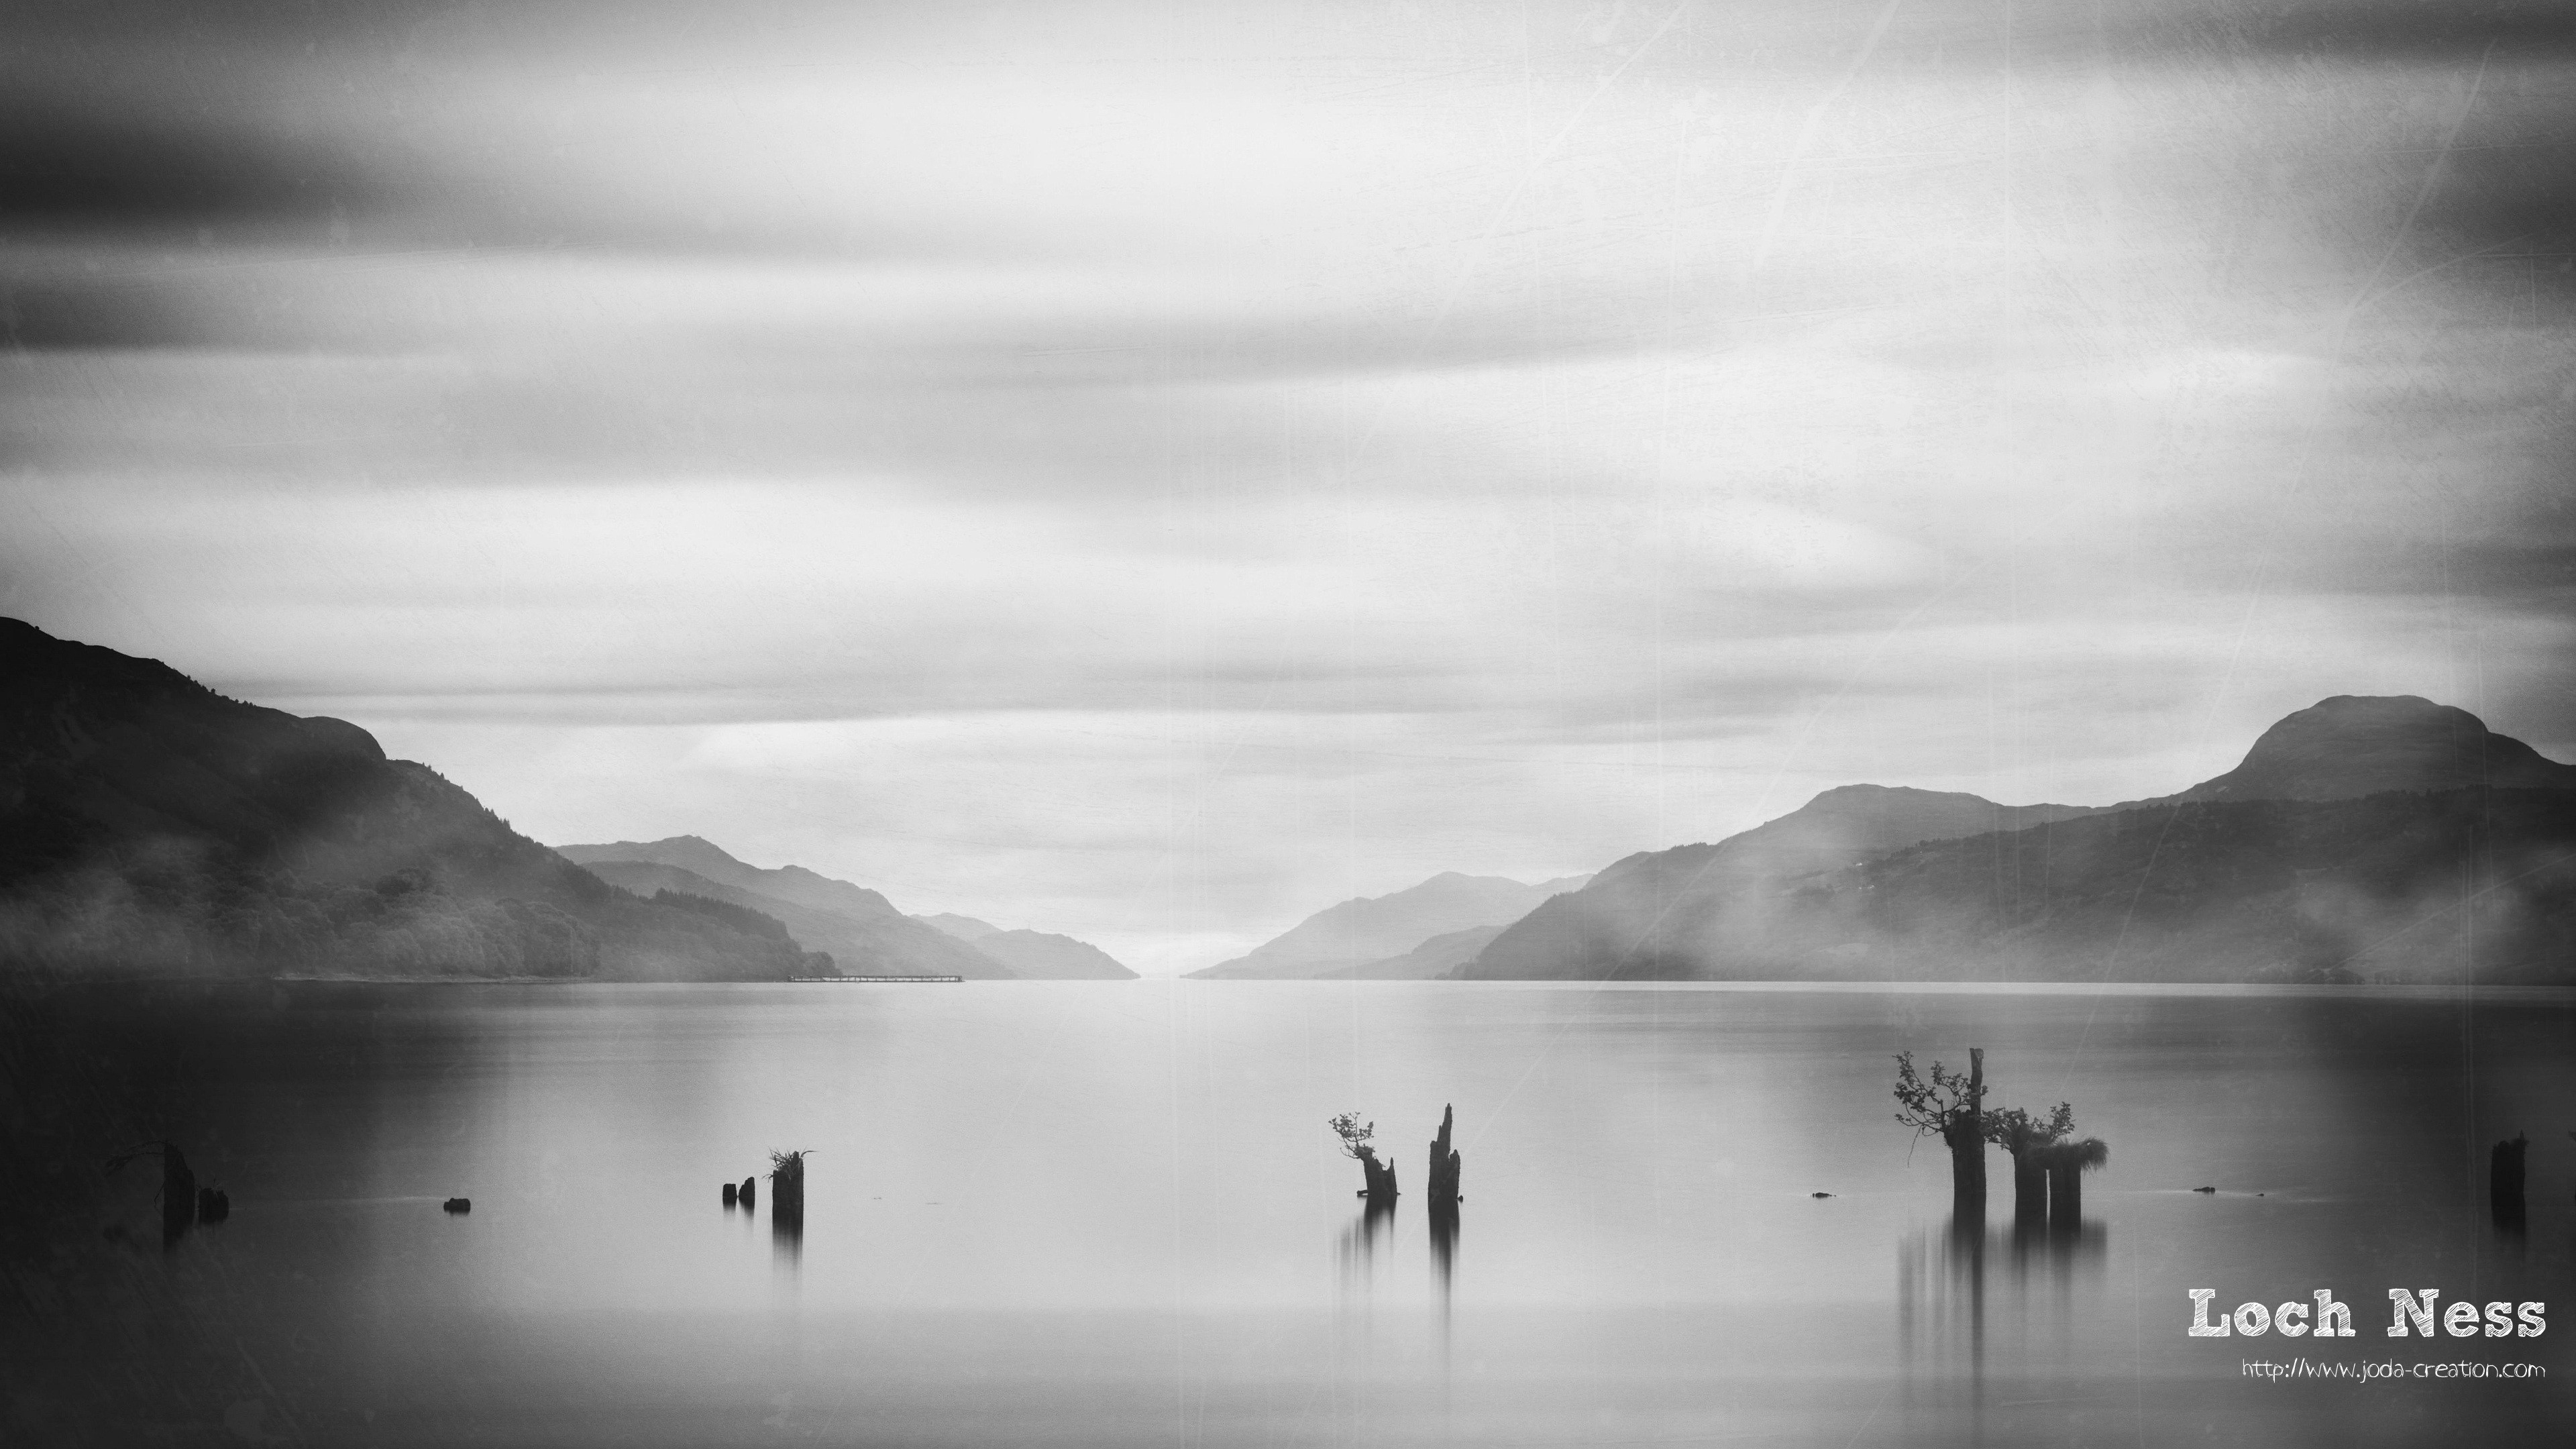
[1374, 928]
[867, 936]
[150, 826]
[2354, 745]
[2341, 848]
[1034, 955]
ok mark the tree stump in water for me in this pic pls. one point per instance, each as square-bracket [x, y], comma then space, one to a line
[2067, 1162]
[787, 1188]
[2504, 1180]
[1444, 1164]
[747, 1194]
[213, 1205]
[731, 1191]
[1965, 1134]
[1380, 1176]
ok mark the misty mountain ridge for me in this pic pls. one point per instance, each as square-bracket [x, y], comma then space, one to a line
[2335, 836]
[1033, 955]
[1370, 929]
[871, 937]
[150, 826]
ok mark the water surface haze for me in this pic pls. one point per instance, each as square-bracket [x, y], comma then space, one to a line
[1113, 1214]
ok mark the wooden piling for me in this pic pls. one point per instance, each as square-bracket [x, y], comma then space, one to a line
[2504, 1180]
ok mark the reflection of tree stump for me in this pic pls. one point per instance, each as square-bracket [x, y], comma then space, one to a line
[2504, 1180]
[1444, 1165]
[1380, 1176]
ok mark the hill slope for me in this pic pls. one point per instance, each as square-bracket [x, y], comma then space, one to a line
[151, 826]
[1374, 928]
[869, 936]
[2364, 831]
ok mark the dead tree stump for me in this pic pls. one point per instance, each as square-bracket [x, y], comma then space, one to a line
[731, 1191]
[787, 1188]
[1380, 1176]
[1444, 1164]
[2067, 1162]
[748, 1195]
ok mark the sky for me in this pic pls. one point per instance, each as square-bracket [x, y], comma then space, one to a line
[1151, 472]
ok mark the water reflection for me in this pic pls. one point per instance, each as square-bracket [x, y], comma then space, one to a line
[786, 1232]
[1974, 1303]
[1444, 1247]
[1358, 1248]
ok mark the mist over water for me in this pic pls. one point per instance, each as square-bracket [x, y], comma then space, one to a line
[1113, 1214]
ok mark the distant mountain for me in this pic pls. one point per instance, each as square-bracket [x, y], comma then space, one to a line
[1374, 928]
[964, 928]
[869, 936]
[2358, 838]
[1433, 958]
[1035, 955]
[149, 826]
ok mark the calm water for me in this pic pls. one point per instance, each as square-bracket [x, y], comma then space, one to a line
[1111, 1214]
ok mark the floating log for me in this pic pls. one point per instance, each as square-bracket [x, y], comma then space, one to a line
[731, 1190]
[457, 1205]
[1443, 1182]
[213, 1205]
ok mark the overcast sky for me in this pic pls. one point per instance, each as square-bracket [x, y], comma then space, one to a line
[1150, 472]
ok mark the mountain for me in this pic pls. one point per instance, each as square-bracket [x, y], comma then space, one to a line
[868, 936]
[1374, 928]
[964, 928]
[1433, 958]
[1043, 956]
[2350, 746]
[2344, 829]
[149, 826]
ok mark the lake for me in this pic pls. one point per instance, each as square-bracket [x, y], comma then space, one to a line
[1113, 1214]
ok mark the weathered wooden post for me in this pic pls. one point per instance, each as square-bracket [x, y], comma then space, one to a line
[178, 1192]
[1443, 1178]
[2504, 1181]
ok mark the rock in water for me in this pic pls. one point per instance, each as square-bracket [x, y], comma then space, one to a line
[458, 1205]
[748, 1194]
